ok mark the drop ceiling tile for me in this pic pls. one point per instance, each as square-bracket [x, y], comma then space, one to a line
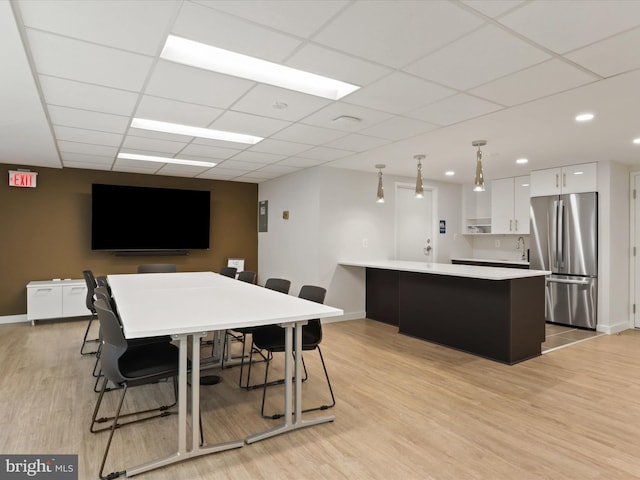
[221, 172]
[612, 56]
[205, 25]
[302, 162]
[207, 151]
[258, 157]
[87, 166]
[171, 169]
[330, 63]
[127, 24]
[330, 117]
[325, 153]
[477, 58]
[86, 62]
[85, 148]
[67, 93]
[565, 26]
[250, 124]
[279, 147]
[248, 179]
[397, 93]
[536, 82]
[244, 166]
[396, 33]
[78, 158]
[264, 100]
[73, 117]
[179, 82]
[357, 143]
[454, 109]
[493, 8]
[165, 110]
[260, 175]
[87, 136]
[136, 166]
[152, 145]
[151, 134]
[398, 128]
[220, 144]
[279, 169]
[214, 175]
[298, 18]
[308, 134]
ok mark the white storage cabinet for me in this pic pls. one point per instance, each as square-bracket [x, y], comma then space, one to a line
[571, 179]
[510, 206]
[56, 299]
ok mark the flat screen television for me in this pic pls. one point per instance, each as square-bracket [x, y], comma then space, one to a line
[127, 218]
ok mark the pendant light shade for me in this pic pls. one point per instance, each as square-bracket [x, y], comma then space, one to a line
[380, 186]
[419, 187]
[479, 179]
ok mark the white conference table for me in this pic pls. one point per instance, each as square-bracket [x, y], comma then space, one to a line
[189, 305]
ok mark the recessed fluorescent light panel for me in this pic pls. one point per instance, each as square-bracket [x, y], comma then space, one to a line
[200, 55]
[584, 117]
[177, 161]
[190, 131]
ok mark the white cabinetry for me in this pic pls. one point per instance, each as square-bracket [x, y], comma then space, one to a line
[56, 299]
[510, 205]
[477, 210]
[569, 179]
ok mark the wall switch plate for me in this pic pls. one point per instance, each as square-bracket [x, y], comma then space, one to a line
[365, 243]
[497, 243]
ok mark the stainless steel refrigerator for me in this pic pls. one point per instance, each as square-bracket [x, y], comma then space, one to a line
[564, 240]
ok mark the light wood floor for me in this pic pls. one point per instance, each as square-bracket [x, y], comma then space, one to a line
[406, 409]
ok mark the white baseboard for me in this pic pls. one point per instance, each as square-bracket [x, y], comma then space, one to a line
[345, 317]
[613, 329]
[13, 319]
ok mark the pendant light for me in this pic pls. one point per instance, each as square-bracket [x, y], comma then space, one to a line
[419, 188]
[479, 180]
[380, 187]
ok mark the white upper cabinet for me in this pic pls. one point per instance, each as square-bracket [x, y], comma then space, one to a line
[570, 179]
[510, 206]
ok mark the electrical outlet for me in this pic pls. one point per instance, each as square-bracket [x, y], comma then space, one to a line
[365, 243]
[497, 243]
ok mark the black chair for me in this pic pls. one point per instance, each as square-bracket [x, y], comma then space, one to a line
[272, 339]
[228, 272]
[246, 276]
[90, 280]
[281, 285]
[157, 268]
[127, 366]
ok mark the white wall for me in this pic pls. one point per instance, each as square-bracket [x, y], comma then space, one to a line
[339, 211]
[485, 247]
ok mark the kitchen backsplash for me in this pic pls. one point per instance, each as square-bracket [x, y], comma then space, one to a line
[498, 247]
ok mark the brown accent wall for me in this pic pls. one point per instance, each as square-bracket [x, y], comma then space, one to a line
[45, 232]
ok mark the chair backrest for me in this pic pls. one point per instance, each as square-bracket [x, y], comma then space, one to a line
[103, 293]
[312, 335]
[228, 272]
[114, 343]
[246, 276]
[157, 268]
[90, 280]
[278, 284]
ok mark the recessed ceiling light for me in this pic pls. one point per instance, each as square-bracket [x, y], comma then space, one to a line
[177, 161]
[636, 141]
[346, 119]
[179, 129]
[584, 117]
[522, 160]
[215, 59]
[525, 184]
[578, 173]
[449, 173]
[280, 105]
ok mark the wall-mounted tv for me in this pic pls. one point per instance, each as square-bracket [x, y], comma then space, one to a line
[127, 218]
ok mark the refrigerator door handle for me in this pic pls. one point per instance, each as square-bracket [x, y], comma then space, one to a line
[568, 280]
[554, 235]
[560, 240]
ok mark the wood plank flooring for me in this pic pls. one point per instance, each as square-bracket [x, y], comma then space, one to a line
[406, 409]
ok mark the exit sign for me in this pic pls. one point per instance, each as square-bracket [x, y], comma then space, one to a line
[22, 179]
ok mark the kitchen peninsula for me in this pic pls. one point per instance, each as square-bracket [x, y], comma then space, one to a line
[494, 312]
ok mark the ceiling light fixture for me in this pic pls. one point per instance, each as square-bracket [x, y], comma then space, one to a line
[177, 161]
[200, 55]
[522, 161]
[380, 197]
[449, 173]
[479, 179]
[419, 188]
[584, 117]
[179, 129]
[636, 141]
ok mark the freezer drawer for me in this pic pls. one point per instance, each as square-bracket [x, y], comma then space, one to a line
[571, 300]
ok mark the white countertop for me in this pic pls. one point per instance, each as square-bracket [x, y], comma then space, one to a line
[469, 271]
[485, 260]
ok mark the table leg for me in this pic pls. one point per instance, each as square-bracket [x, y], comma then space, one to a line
[297, 422]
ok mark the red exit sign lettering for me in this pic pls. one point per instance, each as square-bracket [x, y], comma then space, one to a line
[22, 179]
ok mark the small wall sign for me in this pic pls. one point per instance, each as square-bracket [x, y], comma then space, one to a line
[443, 226]
[22, 179]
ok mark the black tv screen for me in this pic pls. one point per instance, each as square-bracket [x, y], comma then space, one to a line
[126, 218]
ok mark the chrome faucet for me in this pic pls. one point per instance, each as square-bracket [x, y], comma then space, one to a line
[521, 241]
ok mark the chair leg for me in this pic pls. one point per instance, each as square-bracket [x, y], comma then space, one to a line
[264, 388]
[113, 429]
[85, 341]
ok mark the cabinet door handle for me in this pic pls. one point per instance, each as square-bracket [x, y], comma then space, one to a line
[516, 224]
[557, 180]
[510, 225]
[564, 179]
